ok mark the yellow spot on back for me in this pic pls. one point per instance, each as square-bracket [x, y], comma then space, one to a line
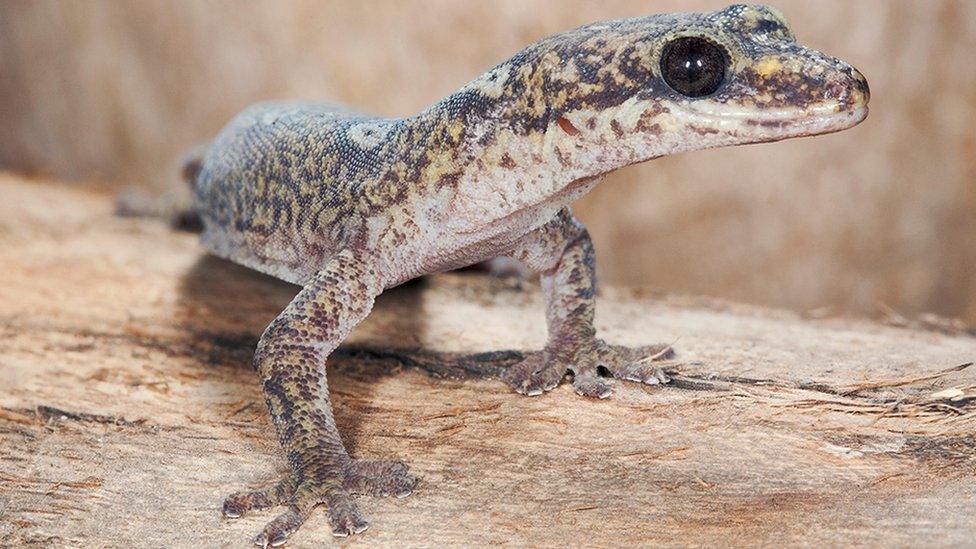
[455, 129]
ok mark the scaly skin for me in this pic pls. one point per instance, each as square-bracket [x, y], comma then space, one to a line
[347, 205]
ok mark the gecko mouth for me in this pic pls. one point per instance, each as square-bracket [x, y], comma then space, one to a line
[814, 123]
[781, 124]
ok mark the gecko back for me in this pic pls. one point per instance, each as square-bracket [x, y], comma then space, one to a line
[279, 190]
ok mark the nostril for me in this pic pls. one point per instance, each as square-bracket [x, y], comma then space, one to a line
[837, 89]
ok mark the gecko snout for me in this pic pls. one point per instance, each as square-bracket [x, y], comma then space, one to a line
[861, 85]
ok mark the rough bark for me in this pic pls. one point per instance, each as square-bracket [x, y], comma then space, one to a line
[128, 408]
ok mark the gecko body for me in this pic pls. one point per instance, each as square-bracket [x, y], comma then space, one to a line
[347, 205]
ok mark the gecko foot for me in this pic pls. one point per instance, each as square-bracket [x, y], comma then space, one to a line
[592, 364]
[325, 483]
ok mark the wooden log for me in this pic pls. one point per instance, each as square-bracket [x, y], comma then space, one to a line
[128, 408]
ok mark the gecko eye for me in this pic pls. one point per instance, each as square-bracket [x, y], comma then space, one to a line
[694, 66]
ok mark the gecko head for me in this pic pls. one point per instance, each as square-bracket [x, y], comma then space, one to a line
[569, 108]
[628, 91]
[740, 75]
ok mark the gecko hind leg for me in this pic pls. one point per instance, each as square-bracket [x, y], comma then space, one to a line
[290, 360]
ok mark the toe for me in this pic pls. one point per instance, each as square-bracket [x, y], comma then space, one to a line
[655, 352]
[344, 517]
[638, 364]
[535, 375]
[646, 353]
[593, 386]
[641, 373]
[661, 376]
[379, 478]
[278, 530]
[240, 503]
[518, 375]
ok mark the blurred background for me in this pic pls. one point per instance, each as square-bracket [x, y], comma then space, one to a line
[878, 218]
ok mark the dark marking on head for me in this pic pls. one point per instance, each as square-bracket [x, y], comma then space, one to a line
[449, 180]
[616, 127]
[507, 162]
[651, 129]
[646, 122]
[564, 158]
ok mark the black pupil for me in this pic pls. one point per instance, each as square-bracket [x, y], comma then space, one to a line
[694, 66]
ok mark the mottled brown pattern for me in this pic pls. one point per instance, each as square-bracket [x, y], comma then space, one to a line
[348, 204]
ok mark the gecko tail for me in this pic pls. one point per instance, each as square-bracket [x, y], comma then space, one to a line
[175, 207]
[193, 163]
[188, 218]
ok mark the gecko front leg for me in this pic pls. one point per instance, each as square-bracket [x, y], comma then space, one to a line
[562, 252]
[291, 362]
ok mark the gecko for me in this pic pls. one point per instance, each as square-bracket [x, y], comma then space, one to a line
[346, 205]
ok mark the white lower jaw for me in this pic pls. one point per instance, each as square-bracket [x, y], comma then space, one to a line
[760, 126]
[815, 125]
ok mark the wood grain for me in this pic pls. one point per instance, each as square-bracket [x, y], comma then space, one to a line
[128, 409]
